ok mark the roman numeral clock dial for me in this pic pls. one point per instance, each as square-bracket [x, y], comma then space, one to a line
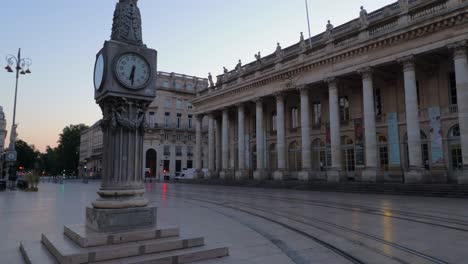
[132, 70]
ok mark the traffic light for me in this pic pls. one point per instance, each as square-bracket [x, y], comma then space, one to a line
[20, 168]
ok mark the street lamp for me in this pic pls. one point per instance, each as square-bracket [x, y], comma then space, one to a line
[21, 65]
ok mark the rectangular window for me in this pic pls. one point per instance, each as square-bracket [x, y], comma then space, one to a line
[178, 86]
[179, 137]
[273, 121]
[344, 109]
[189, 106]
[167, 119]
[317, 114]
[418, 93]
[166, 165]
[453, 89]
[178, 151]
[189, 164]
[189, 151]
[166, 136]
[168, 103]
[378, 102]
[178, 165]
[167, 150]
[294, 117]
[165, 84]
[179, 121]
[151, 119]
[189, 87]
[180, 104]
[190, 120]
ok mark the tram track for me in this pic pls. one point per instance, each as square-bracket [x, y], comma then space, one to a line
[274, 215]
[443, 222]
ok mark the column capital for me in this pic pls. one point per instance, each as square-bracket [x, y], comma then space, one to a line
[258, 100]
[366, 72]
[459, 49]
[240, 105]
[407, 62]
[331, 81]
[303, 89]
[279, 95]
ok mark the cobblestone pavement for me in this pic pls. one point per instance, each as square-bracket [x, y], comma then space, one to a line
[264, 225]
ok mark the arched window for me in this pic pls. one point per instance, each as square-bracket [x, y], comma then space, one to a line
[294, 118]
[272, 157]
[294, 157]
[426, 161]
[319, 155]
[151, 163]
[349, 159]
[455, 151]
[383, 152]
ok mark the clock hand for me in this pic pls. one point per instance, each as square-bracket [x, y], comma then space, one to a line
[132, 74]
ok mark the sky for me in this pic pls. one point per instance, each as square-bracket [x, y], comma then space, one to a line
[192, 37]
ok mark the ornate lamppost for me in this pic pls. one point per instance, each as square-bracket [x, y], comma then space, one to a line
[21, 66]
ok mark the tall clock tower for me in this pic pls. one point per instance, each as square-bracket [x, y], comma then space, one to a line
[124, 83]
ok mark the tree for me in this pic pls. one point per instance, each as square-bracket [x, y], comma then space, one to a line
[27, 155]
[49, 161]
[68, 149]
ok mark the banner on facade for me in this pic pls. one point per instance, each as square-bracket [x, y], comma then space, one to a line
[359, 145]
[437, 154]
[393, 140]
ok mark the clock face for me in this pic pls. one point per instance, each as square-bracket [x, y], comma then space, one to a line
[99, 72]
[132, 70]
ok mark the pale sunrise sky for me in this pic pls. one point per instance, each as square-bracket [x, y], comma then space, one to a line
[193, 37]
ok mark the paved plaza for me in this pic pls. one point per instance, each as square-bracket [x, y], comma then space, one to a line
[265, 226]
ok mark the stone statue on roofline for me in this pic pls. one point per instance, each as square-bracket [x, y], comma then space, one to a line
[210, 79]
[363, 17]
[403, 5]
[239, 66]
[329, 29]
[279, 51]
[258, 57]
[302, 43]
[225, 70]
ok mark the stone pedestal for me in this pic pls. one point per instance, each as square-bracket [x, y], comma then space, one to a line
[242, 174]
[114, 220]
[415, 175]
[225, 175]
[463, 176]
[280, 175]
[333, 176]
[199, 174]
[305, 175]
[260, 175]
[212, 174]
[369, 175]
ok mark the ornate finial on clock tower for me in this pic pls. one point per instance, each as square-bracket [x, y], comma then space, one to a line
[127, 23]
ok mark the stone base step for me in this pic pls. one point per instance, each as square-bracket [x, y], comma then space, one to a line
[178, 256]
[35, 252]
[86, 237]
[67, 251]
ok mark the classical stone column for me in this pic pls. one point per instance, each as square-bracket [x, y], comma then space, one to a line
[211, 147]
[225, 144]
[370, 173]
[461, 77]
[260, 173]
[198, 146]
[218, 157]
[333, 175]
[305, 174]
[281, 172]
[415, 173]
[241, 172]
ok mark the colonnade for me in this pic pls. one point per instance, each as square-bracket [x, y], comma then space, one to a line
[415, 172]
